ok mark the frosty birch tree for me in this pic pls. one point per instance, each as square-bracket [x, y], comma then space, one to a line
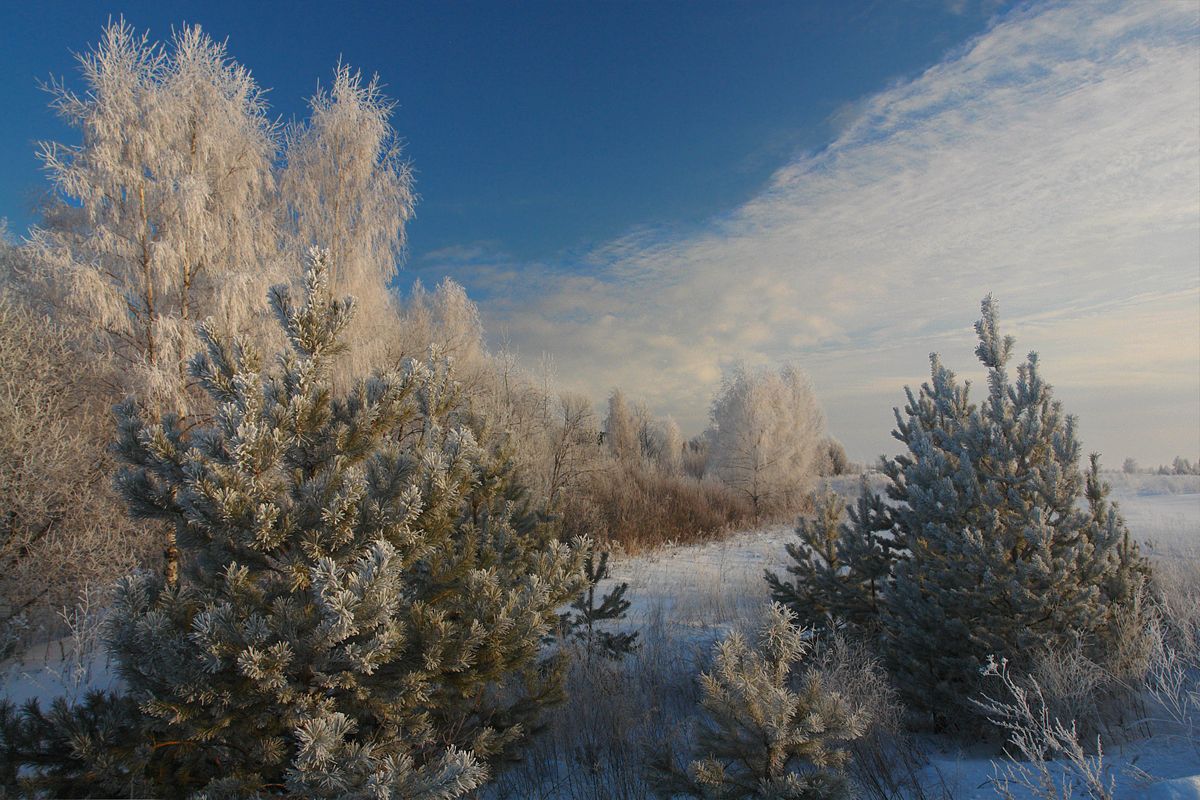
[766, 436]
[620, 428]
[348, 190]
[573, 448]
[165, 208]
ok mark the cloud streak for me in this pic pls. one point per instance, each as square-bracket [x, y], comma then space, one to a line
[1053, 161]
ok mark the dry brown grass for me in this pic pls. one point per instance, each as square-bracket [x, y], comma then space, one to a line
[640, 508]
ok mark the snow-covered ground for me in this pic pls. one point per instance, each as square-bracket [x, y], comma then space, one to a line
[685, 598]
[1153, 769]
[719, 585]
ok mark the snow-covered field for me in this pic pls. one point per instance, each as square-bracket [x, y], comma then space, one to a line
[684, 599]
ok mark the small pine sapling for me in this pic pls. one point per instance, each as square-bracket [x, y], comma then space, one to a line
[868, 549]
[1128, 571]
[814, 595]
[841, 567]
[580, 624]
[769, 733]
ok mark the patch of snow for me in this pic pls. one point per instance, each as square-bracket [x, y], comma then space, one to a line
[1175, 789]
[1154, 769]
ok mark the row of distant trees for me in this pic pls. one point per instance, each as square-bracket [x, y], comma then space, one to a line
[1180, 466]
[766, 440]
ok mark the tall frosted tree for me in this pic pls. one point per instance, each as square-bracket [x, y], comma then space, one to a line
[358, 612]
[572, 450]
[348, 190]
[164, 211]
[999, 556]
[670, 449]
[766, 435]
[620, 427]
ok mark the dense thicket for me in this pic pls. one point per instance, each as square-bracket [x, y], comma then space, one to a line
[61, 527]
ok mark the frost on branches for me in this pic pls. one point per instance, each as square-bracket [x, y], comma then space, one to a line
[998, 557]
[163, 214]
[766, 435]
[360, 602]
[182, 201]
[769, 734]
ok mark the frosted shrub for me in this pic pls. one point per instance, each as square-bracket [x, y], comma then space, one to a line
[833, 458]
[1040, 744]
[60, 527]
[639, 507]
[768, 733]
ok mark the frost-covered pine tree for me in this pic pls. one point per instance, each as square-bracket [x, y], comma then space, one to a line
[1125, 576]
[769, 734]
[999, 558]
[815, 591]
[841, 568]
[360, 602]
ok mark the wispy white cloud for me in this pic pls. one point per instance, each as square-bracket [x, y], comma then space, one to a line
[1053, 161]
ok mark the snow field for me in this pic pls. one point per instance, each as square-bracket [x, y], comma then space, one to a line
[686, 598]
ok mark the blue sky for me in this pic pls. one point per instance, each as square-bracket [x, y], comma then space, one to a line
[535, 127]
[648, 191]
